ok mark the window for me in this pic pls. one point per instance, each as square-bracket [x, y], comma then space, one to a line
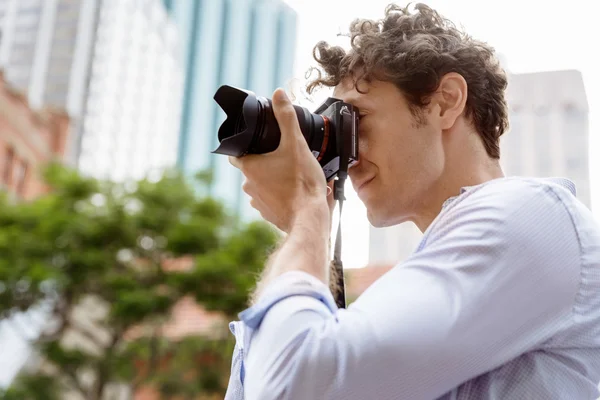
[56, 98]
[8, 164]
[23, 55]
[57, 88]
[30, 6]
[21, 177]
[575, 164]
[546, 164]
[28, 21]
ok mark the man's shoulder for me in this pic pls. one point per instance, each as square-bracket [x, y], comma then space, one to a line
[521, 227]
[516, 194]
[514, 208]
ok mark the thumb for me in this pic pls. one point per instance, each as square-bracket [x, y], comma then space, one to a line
[286, 118]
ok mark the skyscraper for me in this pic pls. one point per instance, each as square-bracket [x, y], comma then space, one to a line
[392, 244]
[45, 49]
[244, 43]
[549, 129]
[113, 65]
[133, 106]
[548, 136]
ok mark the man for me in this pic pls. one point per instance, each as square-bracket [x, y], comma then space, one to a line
[501, 300]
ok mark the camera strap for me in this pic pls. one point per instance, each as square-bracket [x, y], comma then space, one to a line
[338, 194]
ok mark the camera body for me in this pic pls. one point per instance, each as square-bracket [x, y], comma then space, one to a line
[251, 128]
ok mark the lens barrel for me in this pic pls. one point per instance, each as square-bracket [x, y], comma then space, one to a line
[251, 126]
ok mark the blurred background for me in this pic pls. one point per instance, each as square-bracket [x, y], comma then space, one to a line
[126, 246]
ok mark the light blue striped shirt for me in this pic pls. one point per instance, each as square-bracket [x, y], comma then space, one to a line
[501, 300]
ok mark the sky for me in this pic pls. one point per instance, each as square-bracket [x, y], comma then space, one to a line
[531, 35]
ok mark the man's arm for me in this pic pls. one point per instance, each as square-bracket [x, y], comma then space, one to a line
[306, 249]
[495, 283]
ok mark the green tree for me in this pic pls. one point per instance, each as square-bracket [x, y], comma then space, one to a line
[101, 254]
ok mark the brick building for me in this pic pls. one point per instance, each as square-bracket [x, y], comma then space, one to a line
[28, 140]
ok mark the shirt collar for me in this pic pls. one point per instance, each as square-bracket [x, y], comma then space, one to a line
[451, 199]
[565, 183]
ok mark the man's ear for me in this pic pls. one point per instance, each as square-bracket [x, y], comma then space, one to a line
[451, 97]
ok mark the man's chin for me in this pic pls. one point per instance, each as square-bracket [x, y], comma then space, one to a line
[376, 220]
[382, 219]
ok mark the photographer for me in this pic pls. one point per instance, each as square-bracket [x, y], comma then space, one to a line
[501, 300]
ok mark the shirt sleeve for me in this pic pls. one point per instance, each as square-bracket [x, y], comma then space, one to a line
[497, 278]
[235, 388]
[296, 284]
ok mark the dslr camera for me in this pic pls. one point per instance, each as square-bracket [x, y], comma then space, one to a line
[251, 128]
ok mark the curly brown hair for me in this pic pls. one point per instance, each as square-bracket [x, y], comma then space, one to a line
[414, 50]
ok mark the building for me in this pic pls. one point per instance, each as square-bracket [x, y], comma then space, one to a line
[549, 128]
[244, 43]
[28, 140]
[132, 111]
[113, 65]
[392, 244]
[45, 52]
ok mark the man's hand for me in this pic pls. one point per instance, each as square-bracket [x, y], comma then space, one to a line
[289, 181]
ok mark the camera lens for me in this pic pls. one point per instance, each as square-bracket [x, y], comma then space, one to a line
[251, 126]
[240, 124]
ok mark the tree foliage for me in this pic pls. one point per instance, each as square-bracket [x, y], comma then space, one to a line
[113, 260]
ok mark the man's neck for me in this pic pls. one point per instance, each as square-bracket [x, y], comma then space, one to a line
[450, 186]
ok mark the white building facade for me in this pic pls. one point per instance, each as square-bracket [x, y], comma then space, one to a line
[113, 65]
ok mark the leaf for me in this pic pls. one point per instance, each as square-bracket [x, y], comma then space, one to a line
[33, 387]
